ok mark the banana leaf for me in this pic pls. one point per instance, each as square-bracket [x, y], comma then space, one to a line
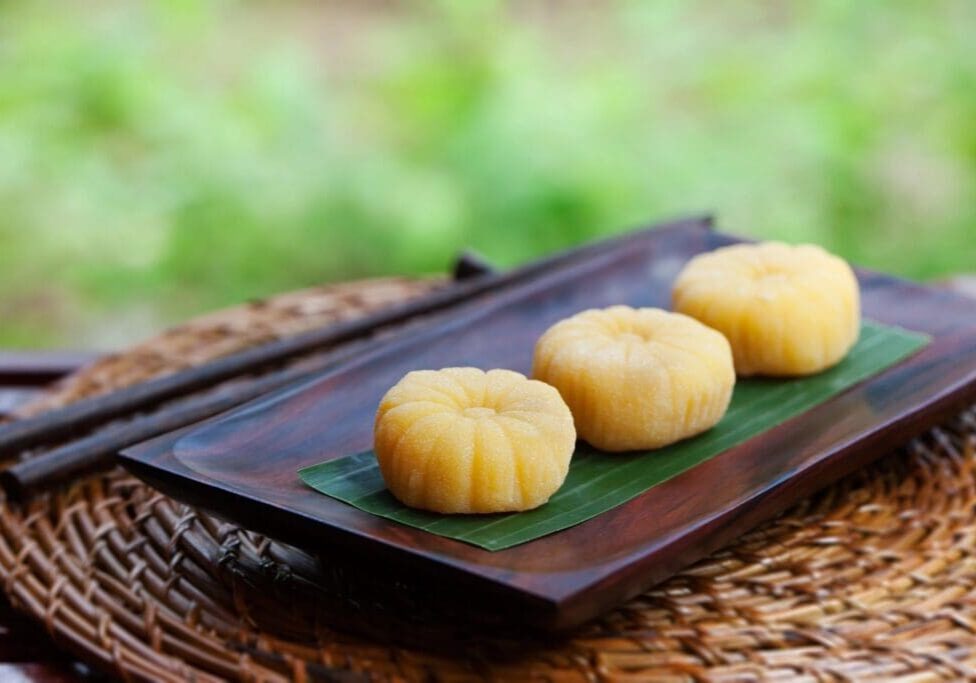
[598, 481]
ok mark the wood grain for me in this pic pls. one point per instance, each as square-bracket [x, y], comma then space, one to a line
[242, 465]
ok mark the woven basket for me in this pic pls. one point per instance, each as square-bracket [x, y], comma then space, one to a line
[873, 577]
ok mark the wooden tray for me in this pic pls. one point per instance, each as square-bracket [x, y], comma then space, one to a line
[242, 465]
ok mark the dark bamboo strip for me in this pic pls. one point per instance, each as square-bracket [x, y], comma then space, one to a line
[87, 453]
[76, 419]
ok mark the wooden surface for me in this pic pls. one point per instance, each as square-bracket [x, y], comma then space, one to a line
[242, 465]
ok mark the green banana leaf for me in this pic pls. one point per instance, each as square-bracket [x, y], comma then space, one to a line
[598, 481]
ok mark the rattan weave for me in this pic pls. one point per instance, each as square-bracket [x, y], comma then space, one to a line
[874, 577]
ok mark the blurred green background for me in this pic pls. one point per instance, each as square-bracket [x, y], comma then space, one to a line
[161, 159]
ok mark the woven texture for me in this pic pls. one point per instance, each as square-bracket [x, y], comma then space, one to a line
[873, 577]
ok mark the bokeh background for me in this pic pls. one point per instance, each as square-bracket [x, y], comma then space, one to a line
[158, 159]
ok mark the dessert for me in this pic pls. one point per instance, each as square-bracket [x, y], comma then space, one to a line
[462, 440]
[637, 378]
[786, 310]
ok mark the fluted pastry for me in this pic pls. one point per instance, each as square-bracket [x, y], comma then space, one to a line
[637, 378]
[786, 310]
[461, 440]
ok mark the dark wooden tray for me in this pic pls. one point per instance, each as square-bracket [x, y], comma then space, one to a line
[242, 465]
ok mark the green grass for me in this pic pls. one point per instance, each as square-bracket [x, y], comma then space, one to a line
[161, 159]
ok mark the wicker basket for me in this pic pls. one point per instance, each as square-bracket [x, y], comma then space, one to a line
[873, 577]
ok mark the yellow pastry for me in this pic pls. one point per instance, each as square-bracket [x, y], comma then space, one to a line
[465, 440]
[786, 310]
[637, 378]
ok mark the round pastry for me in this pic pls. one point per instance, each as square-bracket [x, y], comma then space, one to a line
[786, 310]
[465, 440]
[637, 378]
